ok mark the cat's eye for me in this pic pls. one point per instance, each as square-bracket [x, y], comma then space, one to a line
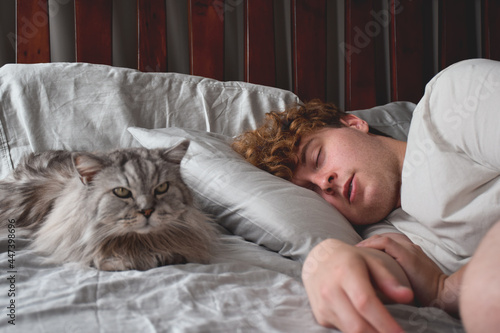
[162, 188]
[122, 192]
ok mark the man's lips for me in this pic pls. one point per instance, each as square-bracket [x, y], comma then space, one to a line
[348, 189]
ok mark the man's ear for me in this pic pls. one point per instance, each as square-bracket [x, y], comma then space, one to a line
[351, 120]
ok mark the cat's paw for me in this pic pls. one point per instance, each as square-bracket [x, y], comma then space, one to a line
[111, 264]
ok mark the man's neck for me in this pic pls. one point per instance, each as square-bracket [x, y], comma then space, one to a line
[397, 149]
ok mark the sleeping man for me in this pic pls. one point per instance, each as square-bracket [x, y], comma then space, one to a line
[440, 190]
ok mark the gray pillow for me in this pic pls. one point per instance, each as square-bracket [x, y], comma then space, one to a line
[260, 207]
[247, 201]
[392, 119]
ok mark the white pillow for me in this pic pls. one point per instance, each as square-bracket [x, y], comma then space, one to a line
[247, 201]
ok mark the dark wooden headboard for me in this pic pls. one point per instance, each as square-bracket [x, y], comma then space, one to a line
[391, 48]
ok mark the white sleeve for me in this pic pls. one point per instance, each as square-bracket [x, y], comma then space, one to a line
[465, 103]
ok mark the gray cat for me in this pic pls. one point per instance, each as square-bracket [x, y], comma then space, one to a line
[127, 209]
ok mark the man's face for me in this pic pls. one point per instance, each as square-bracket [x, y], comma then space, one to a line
[352, 171]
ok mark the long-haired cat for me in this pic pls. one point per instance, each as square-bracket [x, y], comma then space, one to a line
[127, 209]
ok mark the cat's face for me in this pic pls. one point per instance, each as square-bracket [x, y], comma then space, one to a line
[137, 190]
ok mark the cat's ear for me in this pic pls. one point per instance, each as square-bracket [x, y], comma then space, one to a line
[176, 153]
[87, 165]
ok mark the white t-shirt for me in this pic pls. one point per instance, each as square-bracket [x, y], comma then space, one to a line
[451, 172]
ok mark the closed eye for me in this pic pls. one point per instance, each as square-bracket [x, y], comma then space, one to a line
[317, 158]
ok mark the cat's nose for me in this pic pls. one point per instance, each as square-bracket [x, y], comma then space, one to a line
[147, 212]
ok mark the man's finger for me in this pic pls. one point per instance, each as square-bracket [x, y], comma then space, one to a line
[364, 299]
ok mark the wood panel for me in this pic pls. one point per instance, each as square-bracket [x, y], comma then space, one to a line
[309, 48]
[206, 38]
[457, 31]
[361, 32]
[93, 31]
[152, 40]
[491, 29]
[411, 48]
[33, 41]
[260, 63]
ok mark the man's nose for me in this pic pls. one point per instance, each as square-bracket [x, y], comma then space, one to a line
[327, 183]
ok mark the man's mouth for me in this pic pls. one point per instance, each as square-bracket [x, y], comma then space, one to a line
[348, 188]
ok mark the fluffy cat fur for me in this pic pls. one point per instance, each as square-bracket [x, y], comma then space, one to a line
[127, 209]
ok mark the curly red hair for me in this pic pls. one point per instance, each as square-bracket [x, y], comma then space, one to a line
[273, 146]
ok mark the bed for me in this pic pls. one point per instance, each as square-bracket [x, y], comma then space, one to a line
[383, 54]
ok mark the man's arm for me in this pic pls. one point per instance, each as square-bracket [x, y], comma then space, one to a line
[431, 286]
[342, 282]
[480, 287]
[473, 291]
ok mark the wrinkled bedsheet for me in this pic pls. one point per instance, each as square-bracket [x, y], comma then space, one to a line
[246, 289]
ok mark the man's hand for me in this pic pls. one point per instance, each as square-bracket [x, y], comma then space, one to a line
[342, 282]
[431, 286]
